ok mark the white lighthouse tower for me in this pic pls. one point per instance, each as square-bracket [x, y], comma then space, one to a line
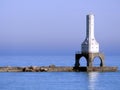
[90, 44]
[90, 50]
[90, 47]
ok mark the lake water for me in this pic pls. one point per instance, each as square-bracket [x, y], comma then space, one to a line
[57, 80]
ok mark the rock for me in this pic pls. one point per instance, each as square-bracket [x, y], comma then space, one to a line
[32, 67]
[52, 66]
[43, 69]
[27, 69]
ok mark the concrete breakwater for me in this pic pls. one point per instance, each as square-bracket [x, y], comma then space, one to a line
[53, 68]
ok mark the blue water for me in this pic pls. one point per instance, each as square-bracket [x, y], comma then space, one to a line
[57, 80]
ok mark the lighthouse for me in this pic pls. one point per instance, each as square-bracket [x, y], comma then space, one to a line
[90, 45]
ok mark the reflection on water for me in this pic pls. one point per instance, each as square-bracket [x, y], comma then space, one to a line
[93, 77]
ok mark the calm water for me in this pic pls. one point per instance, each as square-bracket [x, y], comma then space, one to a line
[57, 80]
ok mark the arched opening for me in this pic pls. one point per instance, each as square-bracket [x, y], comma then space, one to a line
[83, 62]
[97, 62]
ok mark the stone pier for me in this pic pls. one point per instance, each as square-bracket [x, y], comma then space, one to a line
[89, 58]
[89, 65]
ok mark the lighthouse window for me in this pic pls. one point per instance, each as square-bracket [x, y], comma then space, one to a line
[92, 39]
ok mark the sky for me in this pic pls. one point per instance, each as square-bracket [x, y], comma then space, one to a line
[57, 27]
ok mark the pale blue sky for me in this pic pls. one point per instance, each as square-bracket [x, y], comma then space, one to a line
[57, 26]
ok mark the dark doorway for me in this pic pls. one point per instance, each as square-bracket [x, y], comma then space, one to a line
[97, 61]
[83, 62]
